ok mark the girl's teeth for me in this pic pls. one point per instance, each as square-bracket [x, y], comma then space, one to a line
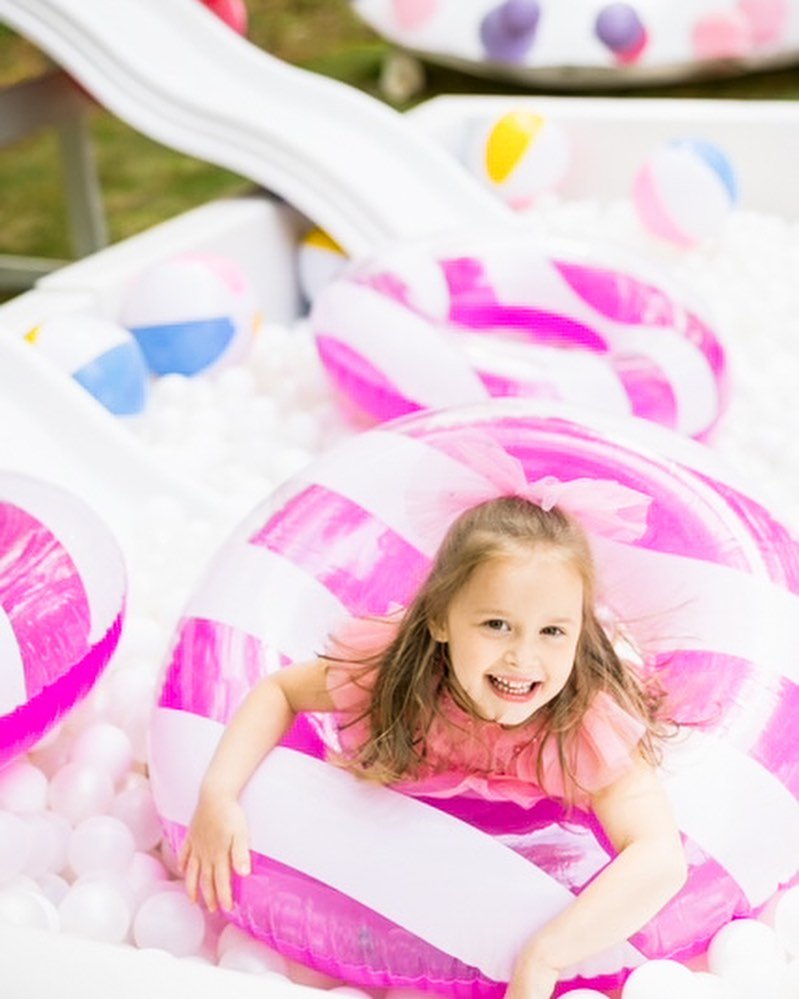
[523, 687]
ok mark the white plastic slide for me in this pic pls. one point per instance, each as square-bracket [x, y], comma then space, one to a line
[177, 73]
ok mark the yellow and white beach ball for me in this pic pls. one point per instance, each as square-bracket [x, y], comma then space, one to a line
[520, 155]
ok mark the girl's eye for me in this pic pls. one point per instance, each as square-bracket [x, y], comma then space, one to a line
[496, 624]
[553, 629]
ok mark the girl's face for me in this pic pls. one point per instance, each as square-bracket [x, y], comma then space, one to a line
[512, 633]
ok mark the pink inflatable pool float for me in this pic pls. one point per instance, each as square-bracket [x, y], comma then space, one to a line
[454, 320]
[381, 889]
[62, 595]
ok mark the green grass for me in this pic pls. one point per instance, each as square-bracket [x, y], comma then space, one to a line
[144, 182]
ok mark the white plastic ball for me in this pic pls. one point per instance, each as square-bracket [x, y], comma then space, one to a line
[51, 752]
[710, 986]
[96, 908]
[135, 807]
[23, 787]
[301, 974]
[145, 876]
[79, 790]
[15, 846]
[786, 921]
[520, 156]
[105, 747]
[661, 979]
[20, 907]
[90, 710]
[169, 920]
[54, 887]
[100, 843]
[49, 835]
[583, 994]
[742, 944]
[252, 956]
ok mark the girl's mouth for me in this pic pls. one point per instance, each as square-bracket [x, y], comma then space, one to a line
[513, 690]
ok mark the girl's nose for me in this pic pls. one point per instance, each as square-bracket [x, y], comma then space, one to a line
[522, 655]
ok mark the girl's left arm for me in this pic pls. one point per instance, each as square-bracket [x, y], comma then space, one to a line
[649, 869]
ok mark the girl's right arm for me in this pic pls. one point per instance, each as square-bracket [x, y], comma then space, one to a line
[217, 839]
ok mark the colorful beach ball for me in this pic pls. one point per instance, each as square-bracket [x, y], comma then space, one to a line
[192, 312]
[685, 191]
[62, 595]
[520, 156]
[100, 355]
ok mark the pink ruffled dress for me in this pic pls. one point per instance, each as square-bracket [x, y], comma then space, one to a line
[467, 756]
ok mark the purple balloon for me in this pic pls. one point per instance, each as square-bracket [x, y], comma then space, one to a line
[507, 31]
[619, 27]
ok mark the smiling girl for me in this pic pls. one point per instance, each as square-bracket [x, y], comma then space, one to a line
[498, 681]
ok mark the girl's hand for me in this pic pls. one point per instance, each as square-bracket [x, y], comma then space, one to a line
[532, 978]
[216, 843]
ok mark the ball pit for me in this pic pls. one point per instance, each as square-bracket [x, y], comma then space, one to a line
[711, 558]
[458, 319]
[190, 313]
[62, 594]
[250, 440]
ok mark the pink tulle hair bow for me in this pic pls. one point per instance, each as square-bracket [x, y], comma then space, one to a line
[602, 506]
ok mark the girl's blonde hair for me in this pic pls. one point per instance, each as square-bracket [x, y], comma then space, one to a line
[413, 672]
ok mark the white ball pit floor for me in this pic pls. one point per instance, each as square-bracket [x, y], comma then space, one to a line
[240, 433]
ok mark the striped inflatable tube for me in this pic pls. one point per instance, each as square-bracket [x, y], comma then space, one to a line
[379, 888]
[442, 323]
[62, 595]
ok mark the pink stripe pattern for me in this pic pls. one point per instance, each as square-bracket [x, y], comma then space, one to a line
[338, 545]
[62, 642]
[512, 292]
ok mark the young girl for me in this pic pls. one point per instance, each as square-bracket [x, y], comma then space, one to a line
[498, 681]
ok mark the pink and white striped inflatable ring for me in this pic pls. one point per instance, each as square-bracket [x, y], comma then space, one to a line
[444, 323]
[383, 889]
[62, 596]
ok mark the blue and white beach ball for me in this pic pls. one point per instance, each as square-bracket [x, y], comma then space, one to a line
[100, 355]
[685, 191]
[191, 313]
